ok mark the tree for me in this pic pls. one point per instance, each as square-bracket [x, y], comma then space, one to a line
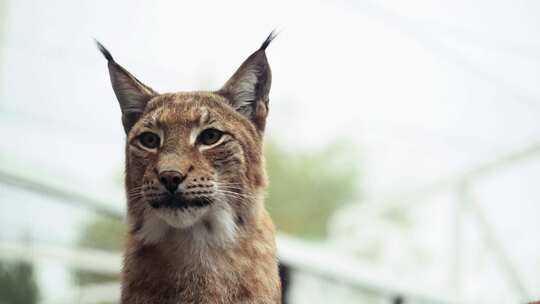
[307, 187]
[102, 233]
[18, 283]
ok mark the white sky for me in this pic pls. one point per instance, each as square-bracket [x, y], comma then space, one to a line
[423, 89]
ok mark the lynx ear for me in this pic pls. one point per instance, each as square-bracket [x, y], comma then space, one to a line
[247, 90]
[130, 92]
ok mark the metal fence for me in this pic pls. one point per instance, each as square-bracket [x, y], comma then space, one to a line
[296, 255]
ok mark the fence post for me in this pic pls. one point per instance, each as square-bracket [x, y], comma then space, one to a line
[491, 241]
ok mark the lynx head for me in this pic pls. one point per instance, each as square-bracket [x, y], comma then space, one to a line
[194, 159]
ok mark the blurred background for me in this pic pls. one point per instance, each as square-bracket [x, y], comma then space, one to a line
[403, 142]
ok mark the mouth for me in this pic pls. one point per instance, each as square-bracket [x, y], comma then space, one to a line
[174, 202]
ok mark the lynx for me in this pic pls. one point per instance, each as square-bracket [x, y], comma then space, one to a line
[195, 181]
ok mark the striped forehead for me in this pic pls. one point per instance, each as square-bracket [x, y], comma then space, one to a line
[186, 114]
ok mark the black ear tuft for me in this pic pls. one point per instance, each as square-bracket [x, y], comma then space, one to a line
[131, 93]
[104, 51]
[269, 39]
[248, 89]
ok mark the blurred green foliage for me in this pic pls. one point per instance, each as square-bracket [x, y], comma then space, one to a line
[18, 283]
[307, 187]
[103, 233]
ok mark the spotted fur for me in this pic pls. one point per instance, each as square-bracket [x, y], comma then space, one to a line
[217, 246]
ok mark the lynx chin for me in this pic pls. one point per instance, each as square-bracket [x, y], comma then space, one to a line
[195, 182]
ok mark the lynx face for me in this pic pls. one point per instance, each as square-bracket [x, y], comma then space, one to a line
[193, 159]
[188, 153]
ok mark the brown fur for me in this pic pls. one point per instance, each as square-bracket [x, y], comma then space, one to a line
[225, 251]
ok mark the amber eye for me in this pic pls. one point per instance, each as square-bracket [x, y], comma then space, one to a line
[149, 140]
[209, 136]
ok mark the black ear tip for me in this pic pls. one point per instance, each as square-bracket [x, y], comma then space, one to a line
[104, 51]
[269, 39]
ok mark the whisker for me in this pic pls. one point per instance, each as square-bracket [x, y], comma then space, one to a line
[240, 195]
[136, 189]
[240, 192]
[231, 188]
[227, 184]
[239, 200]
[136, 199]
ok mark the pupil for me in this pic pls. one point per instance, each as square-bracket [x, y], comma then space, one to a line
[149, 140]
[210, 136]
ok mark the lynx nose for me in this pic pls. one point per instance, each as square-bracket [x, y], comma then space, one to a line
[171, 179]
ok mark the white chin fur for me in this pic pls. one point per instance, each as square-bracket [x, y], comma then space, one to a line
[207, 227]
[181, 218]
[223, 231]
[152, 230]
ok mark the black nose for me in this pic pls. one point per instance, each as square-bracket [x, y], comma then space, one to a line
[171, 179]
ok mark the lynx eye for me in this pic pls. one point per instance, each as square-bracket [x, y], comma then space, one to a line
[149, 140]
[209, 136]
